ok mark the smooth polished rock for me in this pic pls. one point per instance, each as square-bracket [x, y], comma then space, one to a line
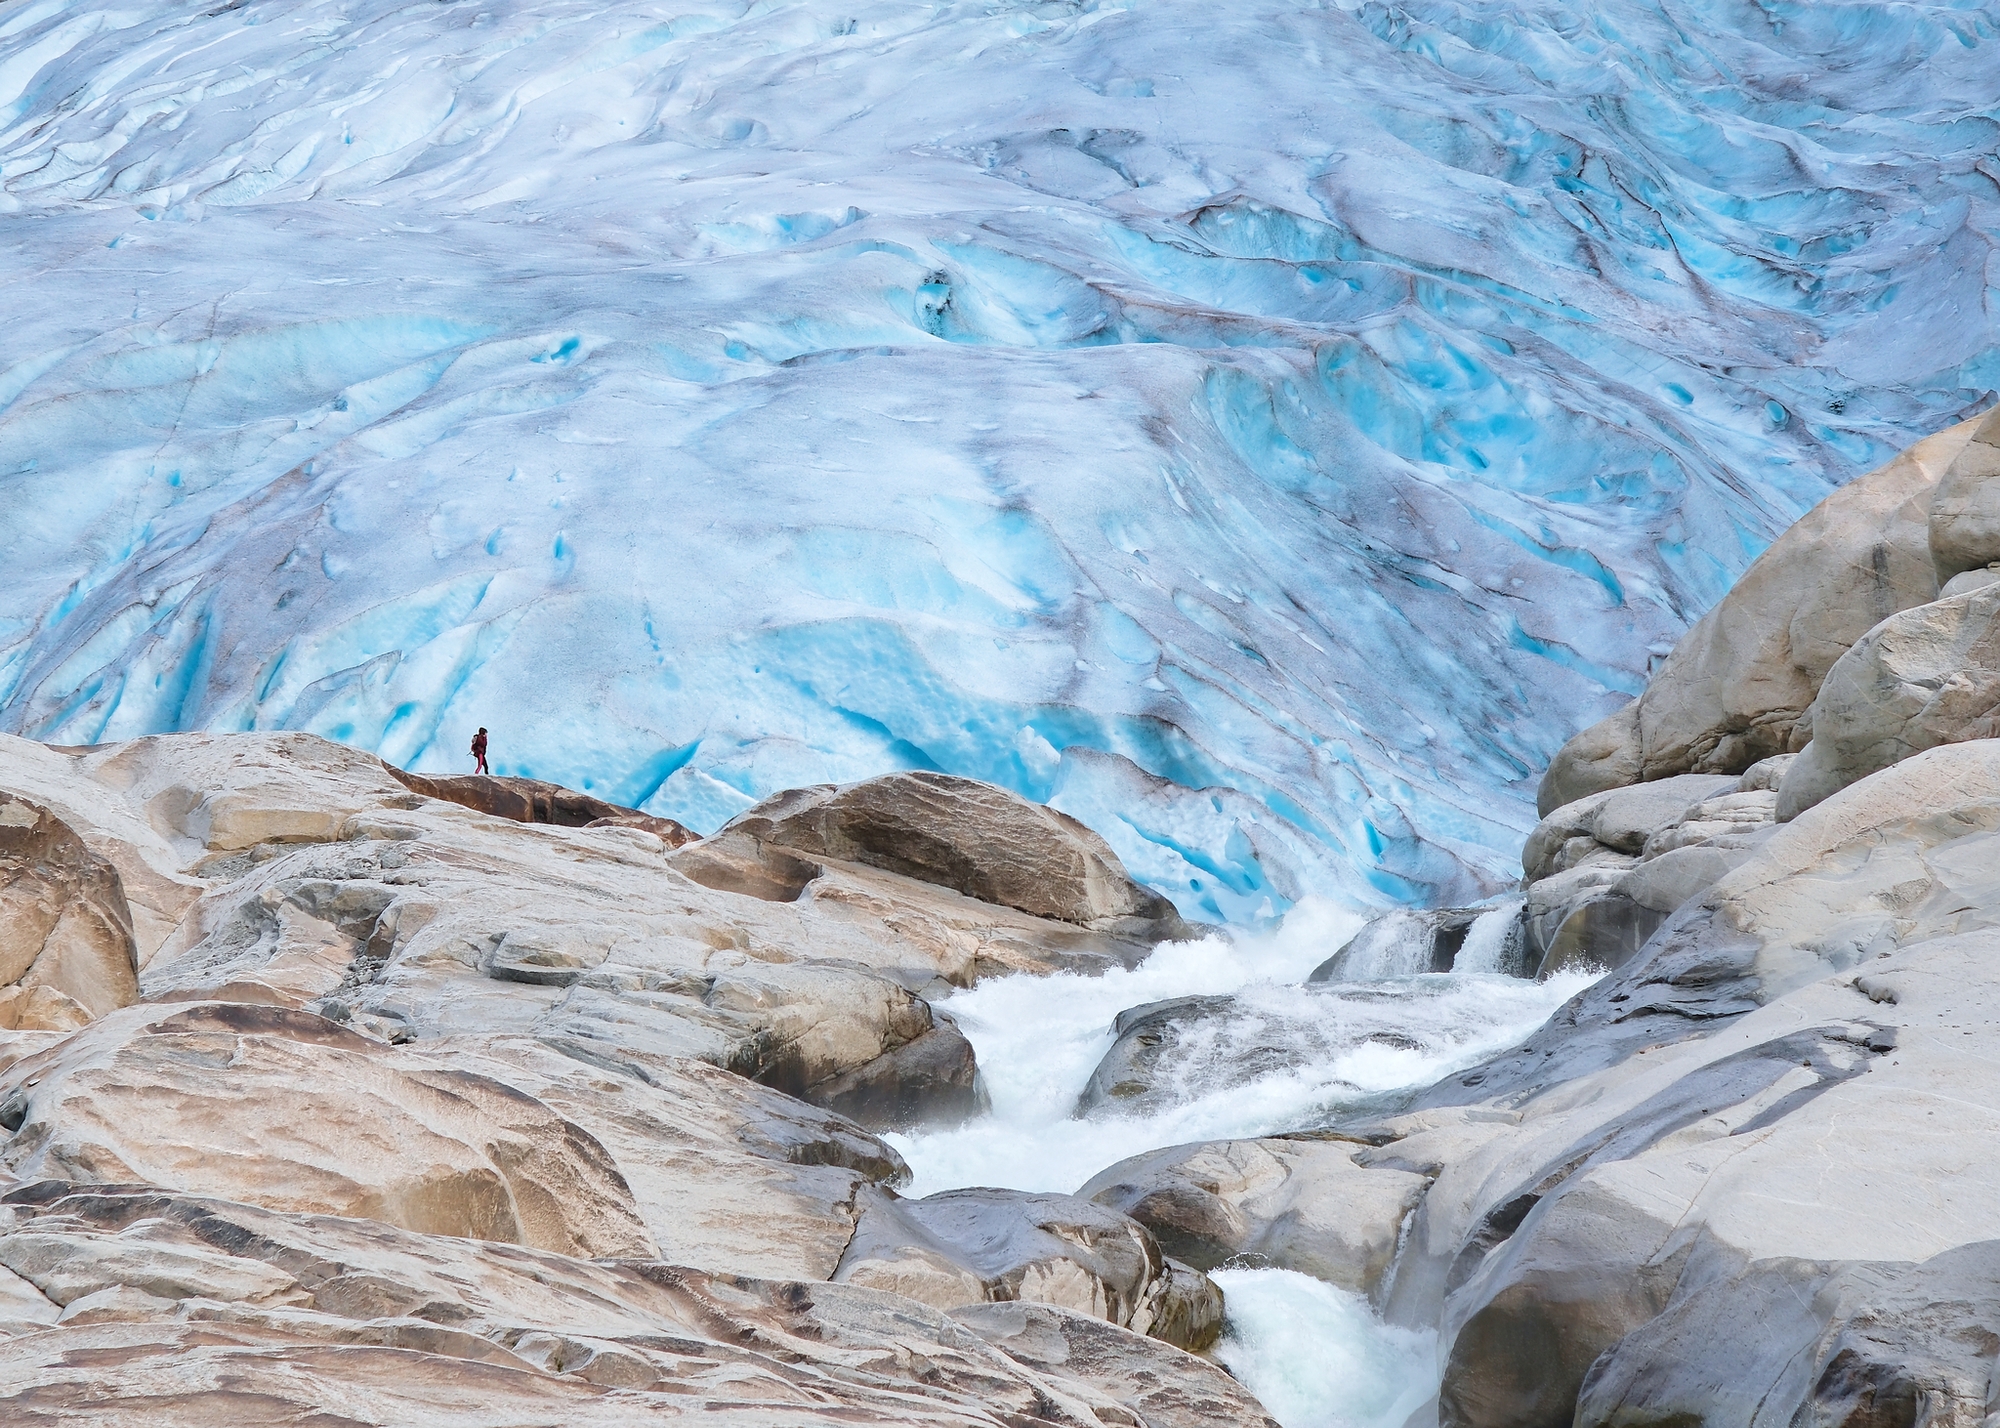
[1298, 1204]
[1965, 512]
[183, 1311]
[64, 922]
[1736, 685]
[1923, 677]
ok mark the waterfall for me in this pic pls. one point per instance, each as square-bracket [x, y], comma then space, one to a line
[1322, 1048]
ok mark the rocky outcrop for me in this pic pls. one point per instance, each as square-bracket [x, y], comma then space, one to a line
[971, 837]
[1603, 873]
[133, 1306]
[1734, 689]
[1290, 1203]
[65, 928]
[1129, 1079]
[529, 800]
[964, 1247]
[385, 1040]
[1744, 1177]
[287, 1110]
[1921, 678]
[1078, 1346]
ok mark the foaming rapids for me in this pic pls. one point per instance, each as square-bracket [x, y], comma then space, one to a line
[1266, 1054]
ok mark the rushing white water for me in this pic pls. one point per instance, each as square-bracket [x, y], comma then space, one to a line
[1039, 1038]
[1277, 1055]
[1316, 1357]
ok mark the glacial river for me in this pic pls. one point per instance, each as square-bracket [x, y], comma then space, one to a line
[1316, 1356]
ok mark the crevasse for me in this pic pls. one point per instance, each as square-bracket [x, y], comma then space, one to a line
[1265, 431]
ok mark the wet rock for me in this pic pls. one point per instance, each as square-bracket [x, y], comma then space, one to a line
[1921, 678]
[288, 1110]
[528, 800]
[972, 837]
[1130, 1079]
[1603, 931]
[971, 1246]
[1296, 1204]
[64, 922]
[1965, 511]
[1735, 687]
[1400, 944]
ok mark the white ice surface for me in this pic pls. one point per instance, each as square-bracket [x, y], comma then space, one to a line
[1265, 430]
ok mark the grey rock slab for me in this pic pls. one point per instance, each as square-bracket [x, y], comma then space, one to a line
[1297, 1204]
[1663, 883]
[1736, 685]
[1629, 816]
[1923, 677]
[971, 1246]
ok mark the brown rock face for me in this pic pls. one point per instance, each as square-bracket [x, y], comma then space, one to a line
[285, 1109]
[530, 800]
[64, 923]
[968, 836]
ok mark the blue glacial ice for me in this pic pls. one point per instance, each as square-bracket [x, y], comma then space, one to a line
[1265, 431]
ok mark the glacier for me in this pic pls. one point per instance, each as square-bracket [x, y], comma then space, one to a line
[1265, 431]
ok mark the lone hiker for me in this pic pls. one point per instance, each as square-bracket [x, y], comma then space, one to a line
[479, 751]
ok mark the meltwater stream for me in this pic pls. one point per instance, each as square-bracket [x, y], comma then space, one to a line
[1284, 1056]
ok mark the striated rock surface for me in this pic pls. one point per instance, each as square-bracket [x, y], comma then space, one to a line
[1736, 685]
[418, 1105]
[971, 837]
[973, 1246]
[529, 800]
[185, 1310]
[65, 928]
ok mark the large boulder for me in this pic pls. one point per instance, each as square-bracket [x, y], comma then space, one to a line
[1290, 1203]
[65, 927]
[974, 1246]
[287, 1110]
[1735, 687]
[1965, 512]
[972, 837]
[1923, 677]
